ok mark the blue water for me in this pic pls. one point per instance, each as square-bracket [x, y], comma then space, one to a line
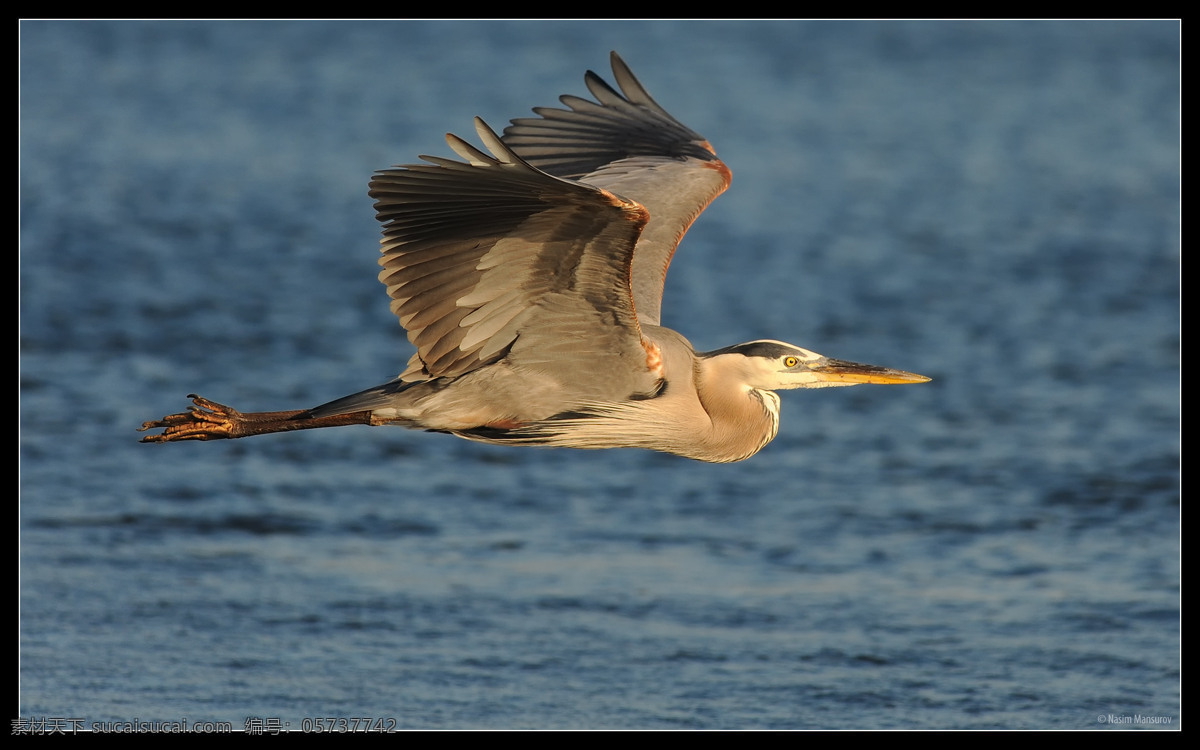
[996, 205]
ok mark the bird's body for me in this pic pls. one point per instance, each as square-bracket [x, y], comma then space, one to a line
[680, 411]
[530, 280]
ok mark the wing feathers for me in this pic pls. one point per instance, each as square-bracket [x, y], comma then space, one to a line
[481, 252]
[550, 245]
[627, 144]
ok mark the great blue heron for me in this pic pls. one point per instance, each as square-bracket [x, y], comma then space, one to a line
[530, 282]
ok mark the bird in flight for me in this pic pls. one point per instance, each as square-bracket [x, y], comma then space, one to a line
[529, 277]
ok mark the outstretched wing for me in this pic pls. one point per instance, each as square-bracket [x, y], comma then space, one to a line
[492, 258]
[625, 143]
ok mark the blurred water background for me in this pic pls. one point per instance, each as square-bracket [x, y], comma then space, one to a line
[993, 204]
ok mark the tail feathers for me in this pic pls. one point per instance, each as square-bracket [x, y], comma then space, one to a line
[373, 398]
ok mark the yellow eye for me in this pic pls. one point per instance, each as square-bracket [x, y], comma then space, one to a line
[790, 361]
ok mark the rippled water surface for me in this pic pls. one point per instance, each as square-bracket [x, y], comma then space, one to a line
[995, 205]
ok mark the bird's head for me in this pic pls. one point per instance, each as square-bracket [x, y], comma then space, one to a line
[773, 365]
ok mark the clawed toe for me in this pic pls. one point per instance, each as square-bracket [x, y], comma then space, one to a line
[207, 420]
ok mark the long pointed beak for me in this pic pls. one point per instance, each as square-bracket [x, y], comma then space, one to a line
[852, 373]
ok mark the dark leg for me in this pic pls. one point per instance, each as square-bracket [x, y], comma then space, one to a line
[208, 420]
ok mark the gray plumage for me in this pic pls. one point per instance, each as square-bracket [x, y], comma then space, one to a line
[529, 278]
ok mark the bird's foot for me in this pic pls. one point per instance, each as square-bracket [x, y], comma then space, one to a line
[207, 420]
